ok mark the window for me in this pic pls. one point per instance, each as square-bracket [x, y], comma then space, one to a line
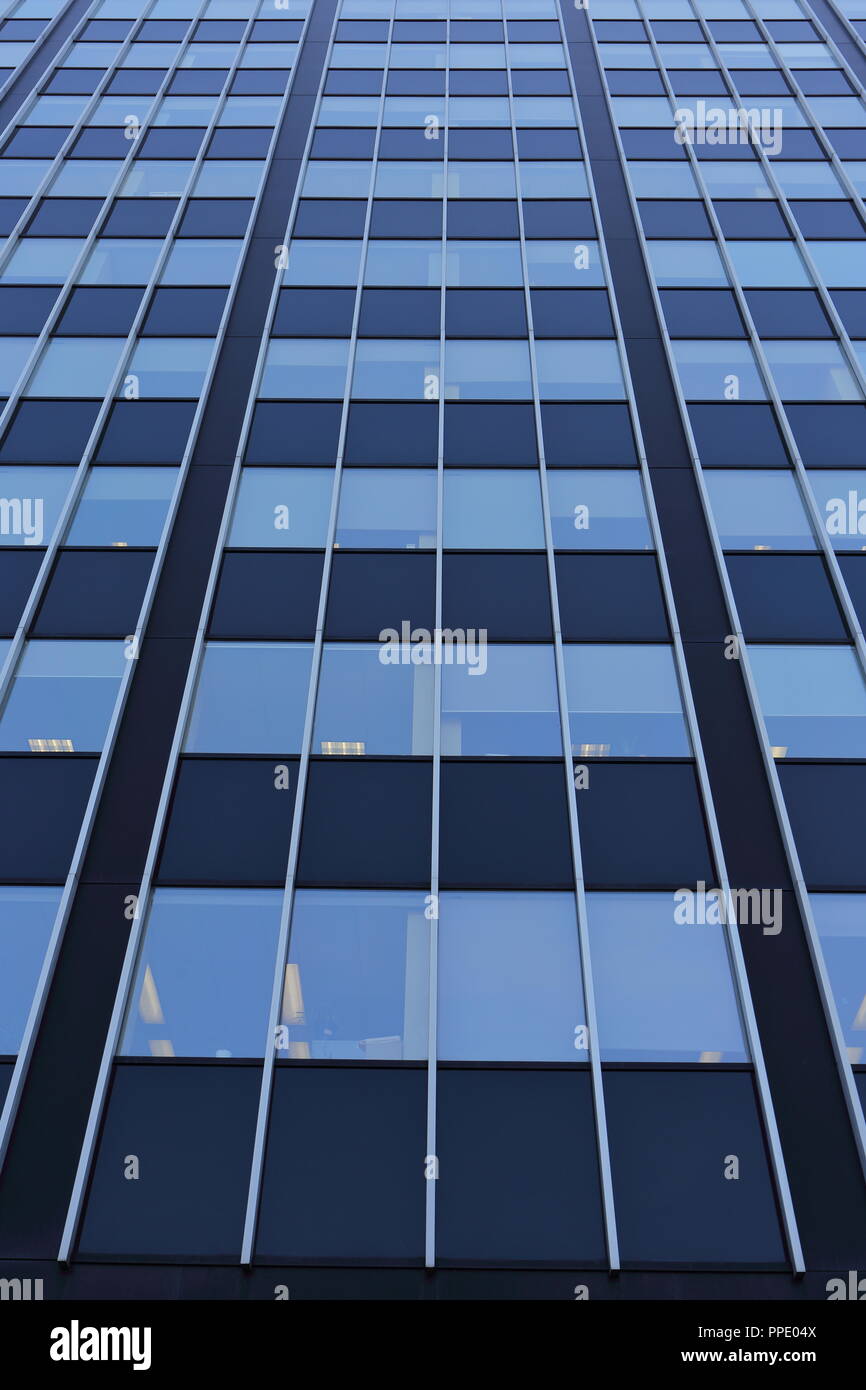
[661, 179]
[841, 922]
[500, 701]
[396, 369]
[205, 976]
[841, 498]
[509, 978]
[26, 919]
[492, 509]
[487, 370]
[578, 370]
[375, 698]
[156, 178]
[305, 369]
[686, 263]
[323, 263]
[356, 983]
[811, 371]
[758, 509]
[400, 263]
[76, 367]
[31, 499]
[737, 178]
[813, 699]
[483, 263]
[14, 353]
[123, 506]
[41, 261]
[663, 987]
[839, 262]
[62, 697]
[576, 265]
[767, 263]
[229, 178]
[466, 179]
[115, 262]
[345, 179]
[624, 701]
[201, 263]
[713, 370]
[598, 509]
[169, 366]
[394, 508]
[282, 508]
[251, 697]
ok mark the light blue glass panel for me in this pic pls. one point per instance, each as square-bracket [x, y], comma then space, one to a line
[157, 178]
[21, 177]
[31, 500]
[229, 178]
[758, 508]
[686, 263]
[361, 55]
[841, 263]
[553, 179]
[251, 698]
[811, 371]
[652, 112]
[205, 975]
[116, 262]
[41, 260]
[14, 352]
[26, 919]
[405, 179]
[468, 178]
[806, 55]
[492, 509]
[376, 698]
[356, 983]
[282, 508]
[533, 55]
[11, 54]
[746, 55]
[578, 370]
[201, 263]
[768, 263]
[471, 111]
[544, 111]
[841, 497]
[626, 55]
[510, 986]
[100, 55]
[172, 111]
[395, 369]
[394, 508]
[402, 263]
[716, 370]
[402, 55]
[663, 989]
[475, 55]
[841, 922]
[856, 171]
[662, 179]
[501, 704]
[354, 111]
[268, 55]
[813, 699]
[250, 111]
[172, 367]
[84, 178]
[62, 697]
[53, 110]
[738, 178]
[305, 368]
[484, 370]
[144, 55]
[196, 55]
[598, 509]
[624, 701]
[576, 265]
[483, 263]
[123, 506]
[76, 367]
[338, 178]
[807, 179]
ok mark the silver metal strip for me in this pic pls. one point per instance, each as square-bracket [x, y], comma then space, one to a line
[36, 44]
[137, 931]
[843, 19]
[732, 938]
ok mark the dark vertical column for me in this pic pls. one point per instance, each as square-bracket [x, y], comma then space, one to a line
[37, 1179]
[44, 51]
[827, 14]
[818, 1143]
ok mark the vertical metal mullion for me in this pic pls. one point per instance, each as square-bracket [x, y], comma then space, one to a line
[433, 953]
[284, 941]
[137, 931]
[597, 1081]
[846, 24]
[36, 44]
[765, 1097]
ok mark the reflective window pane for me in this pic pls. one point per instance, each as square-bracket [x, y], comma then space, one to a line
[624, 701]
[251, 698]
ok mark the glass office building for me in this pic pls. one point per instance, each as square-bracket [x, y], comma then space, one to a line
[432, 670]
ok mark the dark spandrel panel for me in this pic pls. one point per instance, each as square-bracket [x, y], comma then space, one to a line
[744, 434]
[205, 82]
[360, 82]
[394, 143]
[829, 219]
[35, 142]
[829, 436]
[485, 313]
[751, 218]
[490, 219]
[762, 82]
[42, 801]
[168, 1118]
[399, 433]
[673, 1137]
[230, 822]
[239, 143]
[94, 593]
[569, 218]
[215, 217]
[174, 307]
[508, 596]
[302, 432]
[10, 210]
[702, 314]
[367, 823]
[785, 598]
[479, 144]
[399, 313]
[641, 825]
[418, 218]
[848, 144]
[610, 598]
[829, 82]
[269, 594]
[549, 144]
[315, 1206]
[685, 217]
[518, 1170]
[328, 217]
[6, 1070]
[101, 142]
[24, 308]
[343, 143]
[467, 82]
[140, 217]
[48, 432]
[851, 307]
[146, 432]
[788, 314]
[697, 82]
[171, 144]
[825, 803]
[567, 313]
[100, 311]
[259, 82]
[321, 313]
[597, 434]
[63, 217]
[854, 573]
[504, 825]
[371, 592]
[74, 80]
[411, 83]
[536, 82]
[18, 569]
[490, 435]
[634, 82]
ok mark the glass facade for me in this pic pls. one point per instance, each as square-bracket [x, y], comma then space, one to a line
[431, 600]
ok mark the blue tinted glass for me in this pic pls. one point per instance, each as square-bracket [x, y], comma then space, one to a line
[687, 263]
[305, 368]
[323, 263]
[14, 352]
[41, 261]
[811, 371]
[768, 263]
[375, 698]
[76, 367]
[282, 508]
[813, 700]
[469, 179]
[578, 370]
[576, 265]
[841, 922]
[390, 507]
[356, 982]
[251, 698]
[841, 497]
[31, 499]
[26, 918]
[205, 976]
[716, 370]
[500, 701]
[492, 509]
[758, 509]
[598, 509]
[201, 263]
[396, 368]
[62, 697]
[487, 370]
[169, 366]
[115, 262]
[123, 506]
[483, 263]
[624, 701]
